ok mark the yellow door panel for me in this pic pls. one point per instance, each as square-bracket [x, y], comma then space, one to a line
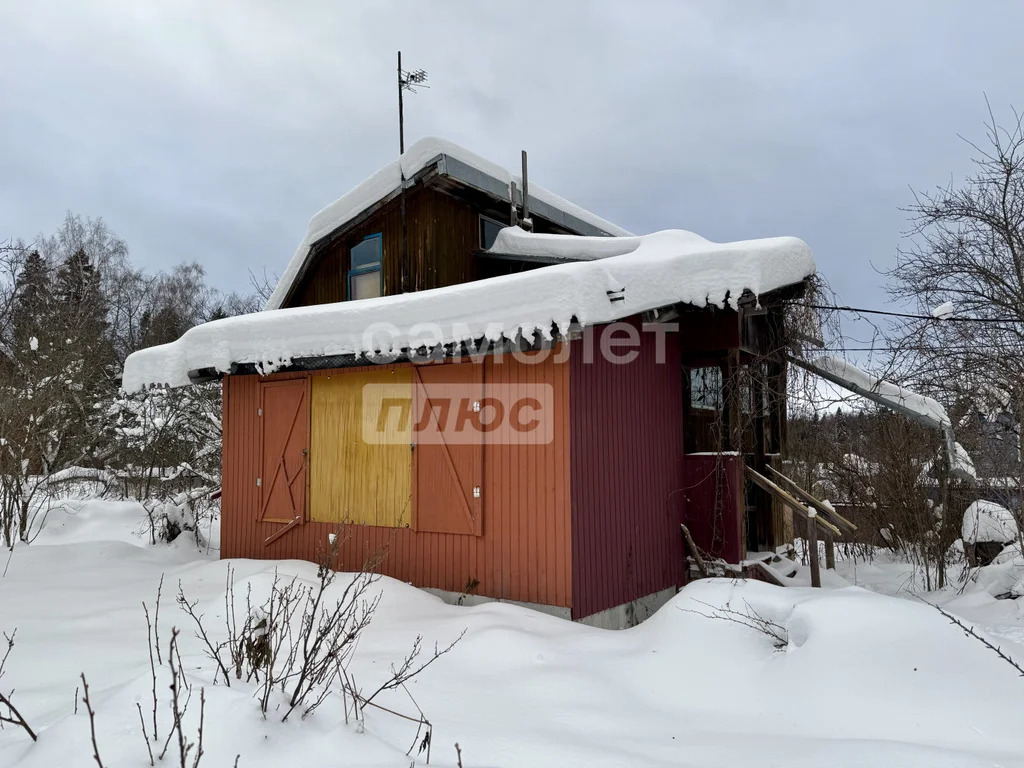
[360, 448]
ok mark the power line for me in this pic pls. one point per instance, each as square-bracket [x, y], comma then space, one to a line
[863, 311]
[998, 352]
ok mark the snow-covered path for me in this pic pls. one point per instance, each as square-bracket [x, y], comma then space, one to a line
[866, 679]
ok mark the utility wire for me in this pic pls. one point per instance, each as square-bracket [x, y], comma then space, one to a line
[923, 348]
[863, 311]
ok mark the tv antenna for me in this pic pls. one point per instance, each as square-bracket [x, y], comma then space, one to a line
[408, 80]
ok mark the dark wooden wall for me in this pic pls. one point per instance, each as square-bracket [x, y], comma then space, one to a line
[626, 451]
[442, 234]
[442, 230]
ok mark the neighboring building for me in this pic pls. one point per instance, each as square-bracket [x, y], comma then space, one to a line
[526, 416]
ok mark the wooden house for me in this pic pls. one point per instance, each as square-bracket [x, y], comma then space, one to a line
[576, 393]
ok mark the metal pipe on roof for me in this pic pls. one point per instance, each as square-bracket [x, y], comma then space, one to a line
[527, 223]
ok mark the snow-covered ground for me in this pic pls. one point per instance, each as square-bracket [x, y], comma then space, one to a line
[866, 679]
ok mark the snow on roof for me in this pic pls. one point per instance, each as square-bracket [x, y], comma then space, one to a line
[515, 241]
[849, 376]
[988, 521]
[388, 180]
[654, 271]
[961, 466]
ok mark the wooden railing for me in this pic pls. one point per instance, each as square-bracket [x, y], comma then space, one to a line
[814, 511]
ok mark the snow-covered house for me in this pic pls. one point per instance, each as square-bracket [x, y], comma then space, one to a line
[510, 414]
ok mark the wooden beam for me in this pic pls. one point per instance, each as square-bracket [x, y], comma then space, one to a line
[282, 531]
[787, 499]
[701, 566]
[812, 547]
[819, 506]
[733, 407]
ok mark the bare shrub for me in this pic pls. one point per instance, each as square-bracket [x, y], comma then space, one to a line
[970, 632]
[748, 617]
[8, 712]
[180, 696]
[92, 722]
[298, 643]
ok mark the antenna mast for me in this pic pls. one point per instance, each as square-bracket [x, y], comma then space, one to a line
[407, 81]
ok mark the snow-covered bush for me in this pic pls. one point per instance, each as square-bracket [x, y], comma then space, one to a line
[987, 527]
[986, 521]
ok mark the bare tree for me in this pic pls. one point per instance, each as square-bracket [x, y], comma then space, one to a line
[966, 252]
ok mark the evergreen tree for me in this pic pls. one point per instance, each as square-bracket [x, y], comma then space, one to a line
[32, 306]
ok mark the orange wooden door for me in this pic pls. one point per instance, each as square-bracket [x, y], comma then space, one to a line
[284, 446]
[448, 454]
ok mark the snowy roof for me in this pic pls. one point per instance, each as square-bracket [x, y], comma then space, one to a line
[449, 160]
[910, 403]
[635, 275]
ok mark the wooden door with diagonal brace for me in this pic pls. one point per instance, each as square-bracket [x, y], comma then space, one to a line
[284, 448]
[447, 463]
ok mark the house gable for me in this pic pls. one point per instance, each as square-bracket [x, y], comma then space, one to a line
[447, 169]
[442, 244]
[440, 240]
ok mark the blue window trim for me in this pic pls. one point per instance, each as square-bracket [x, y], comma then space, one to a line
[368, 269]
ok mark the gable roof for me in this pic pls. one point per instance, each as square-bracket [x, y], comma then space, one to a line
[447, 159]
[635, 275]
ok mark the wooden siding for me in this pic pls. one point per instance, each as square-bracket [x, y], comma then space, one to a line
[442, 234]
[449, 460]
[714, 504]
[627, 456]
[352, 479]
[524, 551]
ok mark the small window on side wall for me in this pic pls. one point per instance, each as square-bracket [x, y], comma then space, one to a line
[706, 388]
[489, 229]
[364, 274]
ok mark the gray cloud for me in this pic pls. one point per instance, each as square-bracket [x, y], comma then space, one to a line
[213, 131]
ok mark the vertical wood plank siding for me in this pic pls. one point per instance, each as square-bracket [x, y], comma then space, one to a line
[524, 552]
[626, 450]
[442, 234]
[714, 504]
[350, 478]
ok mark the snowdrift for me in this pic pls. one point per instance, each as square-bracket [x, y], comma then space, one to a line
[862, 679]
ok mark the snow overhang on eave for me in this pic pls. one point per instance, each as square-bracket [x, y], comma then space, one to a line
[475, 349]
[665, 269]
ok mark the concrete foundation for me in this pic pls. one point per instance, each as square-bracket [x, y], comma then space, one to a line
[629, 614]
[620, 617]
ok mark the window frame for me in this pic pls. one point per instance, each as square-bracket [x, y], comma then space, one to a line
[720, 398]
[480, 228]
[377, 267]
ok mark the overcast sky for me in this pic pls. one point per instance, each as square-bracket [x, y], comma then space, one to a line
[213, 131]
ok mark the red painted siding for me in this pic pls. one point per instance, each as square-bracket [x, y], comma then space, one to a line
[626, 451]
[524, 551]
[714, 504]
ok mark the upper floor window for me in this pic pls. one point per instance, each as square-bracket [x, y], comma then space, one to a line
[364, 274]
[489, 231]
